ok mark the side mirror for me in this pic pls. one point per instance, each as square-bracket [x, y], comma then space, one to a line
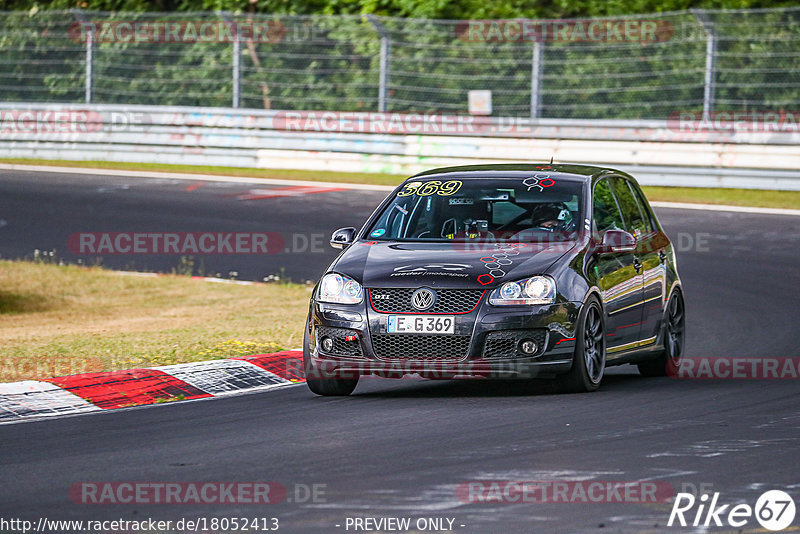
[343, 237]
[617, 241]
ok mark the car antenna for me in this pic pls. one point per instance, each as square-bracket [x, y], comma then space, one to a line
[551, 160]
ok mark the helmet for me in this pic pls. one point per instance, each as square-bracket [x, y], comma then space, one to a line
[552, 216]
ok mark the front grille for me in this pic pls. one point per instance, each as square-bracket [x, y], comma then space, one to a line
[420, 346]
[398, 300]
[341, 347]
[505, 343]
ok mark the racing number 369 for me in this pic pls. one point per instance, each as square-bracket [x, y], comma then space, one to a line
[433, 187]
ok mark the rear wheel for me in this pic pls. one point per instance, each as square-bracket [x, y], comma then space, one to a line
[667, 362]
[317, 381]
[589, 358]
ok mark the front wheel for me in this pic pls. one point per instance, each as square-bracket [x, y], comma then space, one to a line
[589, 358]
[320, 383]
[667, 362]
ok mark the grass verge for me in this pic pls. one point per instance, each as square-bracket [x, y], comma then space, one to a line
[759, 198]
[60, 320]
[734, 197]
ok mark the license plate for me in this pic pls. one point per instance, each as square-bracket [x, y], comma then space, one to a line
[421, 324]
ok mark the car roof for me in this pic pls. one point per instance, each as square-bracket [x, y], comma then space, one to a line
[583, 173]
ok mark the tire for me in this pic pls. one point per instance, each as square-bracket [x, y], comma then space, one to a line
[667, 361]
[589, 358]
[327, 386]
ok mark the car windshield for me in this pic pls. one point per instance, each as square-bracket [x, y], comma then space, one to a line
[528, 209]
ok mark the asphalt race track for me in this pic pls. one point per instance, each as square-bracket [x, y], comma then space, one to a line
[404, 448]
[41, 211]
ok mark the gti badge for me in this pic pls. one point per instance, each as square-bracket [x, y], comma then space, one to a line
[423, 299]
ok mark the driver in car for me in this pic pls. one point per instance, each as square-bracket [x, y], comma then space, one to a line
[552, 217]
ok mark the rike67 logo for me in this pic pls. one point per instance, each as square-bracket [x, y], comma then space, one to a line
[774, 510]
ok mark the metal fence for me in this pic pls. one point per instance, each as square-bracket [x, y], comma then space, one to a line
[642, 67]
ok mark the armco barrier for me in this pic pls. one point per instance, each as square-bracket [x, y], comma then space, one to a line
[656, 152]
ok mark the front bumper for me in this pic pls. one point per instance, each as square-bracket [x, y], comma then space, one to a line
[485, 344]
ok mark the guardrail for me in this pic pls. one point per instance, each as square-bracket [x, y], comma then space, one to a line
[723, 154]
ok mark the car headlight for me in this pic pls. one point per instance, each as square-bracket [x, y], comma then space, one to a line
[534, 290]
[339, 289]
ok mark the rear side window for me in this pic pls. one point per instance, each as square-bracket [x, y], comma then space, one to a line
[605, 210]
[635, 221]
[644, 207]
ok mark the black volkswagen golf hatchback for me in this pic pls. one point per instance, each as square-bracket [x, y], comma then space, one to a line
[500, 271]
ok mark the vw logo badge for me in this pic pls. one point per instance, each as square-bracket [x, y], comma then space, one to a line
[423, 299]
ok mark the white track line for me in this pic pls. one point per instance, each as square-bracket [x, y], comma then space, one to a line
[722, 207]
[195, 177]
[359, 187]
